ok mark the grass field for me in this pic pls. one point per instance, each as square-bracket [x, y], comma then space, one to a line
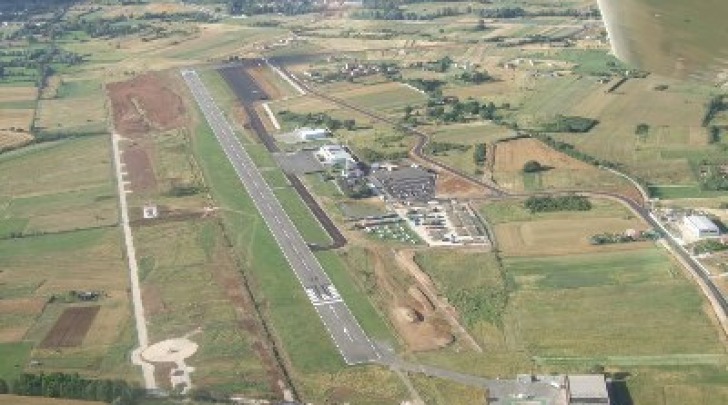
[77, 109]
[62, 187]
[317, 366]
[193, 251]
[561, 171]
[16, 400]
[518, 232]
[468, 134]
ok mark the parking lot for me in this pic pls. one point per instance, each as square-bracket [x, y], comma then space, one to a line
[445, 223]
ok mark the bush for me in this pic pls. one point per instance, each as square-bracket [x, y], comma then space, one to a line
[532, 166]
[571, 124]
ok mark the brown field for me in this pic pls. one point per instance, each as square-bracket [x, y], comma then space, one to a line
[15, 118]
[17, 400]
[12, 140]
[16, 317]
[563, 171]
[562, 236]
[139, 169]
[18, 93]
[71, 328]
[145, 103]
[450, 186]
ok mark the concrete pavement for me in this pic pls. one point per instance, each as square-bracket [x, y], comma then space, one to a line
[348, 336]
[140, 320]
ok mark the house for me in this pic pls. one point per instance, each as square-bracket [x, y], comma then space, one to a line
[332, 155]
[311, 134]
[700, 226]
[587, 389]
[406, 184]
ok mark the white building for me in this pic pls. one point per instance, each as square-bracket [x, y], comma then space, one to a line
[700, 226]
[312, 134]
[334, 155]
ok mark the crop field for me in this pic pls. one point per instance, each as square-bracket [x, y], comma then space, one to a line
[467, 134]
[61, 187]
[60, 265]
[641, 292]
[383, 97]
[562, 171]
[77, 109]
[71, 328]
[18, 400]
[675, 140]
[17, 106]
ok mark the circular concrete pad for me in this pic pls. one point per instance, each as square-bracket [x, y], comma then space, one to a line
[172, 350]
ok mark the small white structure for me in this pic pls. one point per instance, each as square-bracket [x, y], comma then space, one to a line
[312, 134]
[334, 155]
[150, 211]
[700, 226]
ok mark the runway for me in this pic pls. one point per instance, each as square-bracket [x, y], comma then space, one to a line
[351, 341]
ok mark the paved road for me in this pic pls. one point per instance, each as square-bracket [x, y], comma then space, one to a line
[714, 295]
[348, 336]
[248, 93]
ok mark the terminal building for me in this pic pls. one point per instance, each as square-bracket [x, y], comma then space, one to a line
[406, 184]
[700, 226]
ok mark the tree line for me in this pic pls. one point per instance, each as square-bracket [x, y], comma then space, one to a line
[557, 203]
[72, 386]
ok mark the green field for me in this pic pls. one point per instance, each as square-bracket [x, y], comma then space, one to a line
[15, 357]
[317, 366]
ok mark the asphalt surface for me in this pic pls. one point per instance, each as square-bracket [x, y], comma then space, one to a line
[498, 193]
[348, 336]
[248, 92]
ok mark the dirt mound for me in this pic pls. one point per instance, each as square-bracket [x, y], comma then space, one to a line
[425, 305]
[145, 103]
[421, 333]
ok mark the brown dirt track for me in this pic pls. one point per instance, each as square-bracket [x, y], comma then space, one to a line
[145, 103]
[71, 327]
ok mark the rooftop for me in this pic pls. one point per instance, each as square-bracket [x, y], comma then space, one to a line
[588, 386]
[702, 222]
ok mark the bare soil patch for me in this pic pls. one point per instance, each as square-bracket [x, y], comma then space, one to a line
[71, 327]
[262, 77]
[146, 103]
[139, 168]
[452, 186]
[153, 302]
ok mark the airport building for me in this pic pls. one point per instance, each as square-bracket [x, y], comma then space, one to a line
[312, 134]
[700, 226]
[587, 389]
[331, 155]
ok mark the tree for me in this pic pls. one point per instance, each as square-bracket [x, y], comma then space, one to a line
[3, 387]
[532, 166]
[642, 129]
[481, 25]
